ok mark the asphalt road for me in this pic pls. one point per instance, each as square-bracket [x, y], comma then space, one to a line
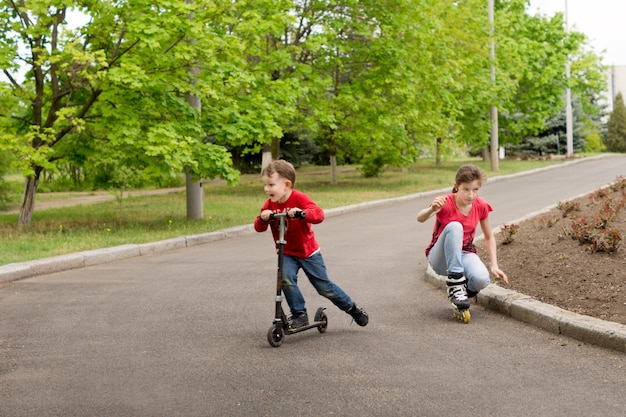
[183, 333]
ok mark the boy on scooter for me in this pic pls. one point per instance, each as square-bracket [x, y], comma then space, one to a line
[302, 250]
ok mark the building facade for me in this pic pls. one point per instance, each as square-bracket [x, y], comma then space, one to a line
[616, 83]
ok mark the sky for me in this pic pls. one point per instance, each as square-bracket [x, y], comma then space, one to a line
[601, 20]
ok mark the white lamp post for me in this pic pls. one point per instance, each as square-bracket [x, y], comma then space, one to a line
[494, 110]
[568, 98]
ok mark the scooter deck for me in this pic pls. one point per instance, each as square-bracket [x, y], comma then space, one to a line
[312, 325]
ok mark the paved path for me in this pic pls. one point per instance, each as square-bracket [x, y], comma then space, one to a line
[90, 197]
[182, 333]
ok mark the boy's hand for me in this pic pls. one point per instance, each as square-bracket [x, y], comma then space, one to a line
[265, 215]
[293, 212]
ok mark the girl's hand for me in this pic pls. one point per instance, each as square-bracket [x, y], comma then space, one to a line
[431, 210]
[500, 274]
[438, 203]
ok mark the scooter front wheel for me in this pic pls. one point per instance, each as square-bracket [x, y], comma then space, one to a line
[275, 335]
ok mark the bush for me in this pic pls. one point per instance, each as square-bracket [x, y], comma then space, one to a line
[507, 232]
[595, 231]
[568, 207]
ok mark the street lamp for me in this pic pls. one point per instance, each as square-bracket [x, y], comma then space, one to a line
[568, 100]
[494, 110]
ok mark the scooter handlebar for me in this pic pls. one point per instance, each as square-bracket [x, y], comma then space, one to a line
[298, 215]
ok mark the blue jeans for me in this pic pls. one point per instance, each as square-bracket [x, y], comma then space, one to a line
[315, 270]
[446, 257]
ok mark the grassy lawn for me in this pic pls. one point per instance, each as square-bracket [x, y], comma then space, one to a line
[151, 218]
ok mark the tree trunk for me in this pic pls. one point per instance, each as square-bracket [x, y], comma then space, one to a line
[275, 148]
[438, 152]
[333, 169]
[266, 155]
[193, 185]
[195, 196]
[28, 201]
[494, 145]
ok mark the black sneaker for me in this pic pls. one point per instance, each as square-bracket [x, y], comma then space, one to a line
[299, 320]
[359, 315]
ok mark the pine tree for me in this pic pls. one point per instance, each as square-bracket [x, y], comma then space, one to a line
[616, 135]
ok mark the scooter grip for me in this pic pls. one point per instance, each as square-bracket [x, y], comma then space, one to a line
[298, 215]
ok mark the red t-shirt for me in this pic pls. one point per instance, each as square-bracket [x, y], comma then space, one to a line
[299, 235]
[450, 213]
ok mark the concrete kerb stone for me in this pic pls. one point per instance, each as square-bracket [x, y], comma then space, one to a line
[57, 263]
[15, 272]
[202, 239]
[105, 255]
[162, 246]
[545, 316]
[24, 270]
[238, 231]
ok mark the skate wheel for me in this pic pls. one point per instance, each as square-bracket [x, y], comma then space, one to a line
[466, 316]
[463, 315]
[275, 335]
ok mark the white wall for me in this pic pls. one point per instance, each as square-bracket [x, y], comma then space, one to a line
[617, 82]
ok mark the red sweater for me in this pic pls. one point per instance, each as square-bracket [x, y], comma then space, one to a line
[299, 235]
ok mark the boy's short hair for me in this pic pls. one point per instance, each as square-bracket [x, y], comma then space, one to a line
[281, 167]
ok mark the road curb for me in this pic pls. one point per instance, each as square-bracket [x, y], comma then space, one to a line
[545, 316]
[44, 266]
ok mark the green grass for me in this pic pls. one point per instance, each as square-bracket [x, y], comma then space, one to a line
[152, 218]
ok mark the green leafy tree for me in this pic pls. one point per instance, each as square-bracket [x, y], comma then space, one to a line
[616, 134]
[552, 140]
[533, 51]
[347, 49]
[461, 90]
[254, 114]
[532, 54]
[378, 78]
[114, 87]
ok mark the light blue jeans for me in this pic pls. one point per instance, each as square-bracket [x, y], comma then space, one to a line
[315, 270]
[446, 257]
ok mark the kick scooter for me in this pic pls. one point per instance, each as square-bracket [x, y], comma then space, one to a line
[281, 326]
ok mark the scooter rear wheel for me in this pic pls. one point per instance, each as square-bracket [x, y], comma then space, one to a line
[320, 316]
[275, 335]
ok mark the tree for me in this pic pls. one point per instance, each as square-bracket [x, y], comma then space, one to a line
[616, 135]
[534, 50]
[114, 87]
[349, 55]
[461, 90]
[382, 77]
[531, 65]
[375, 82]
[552, 140]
